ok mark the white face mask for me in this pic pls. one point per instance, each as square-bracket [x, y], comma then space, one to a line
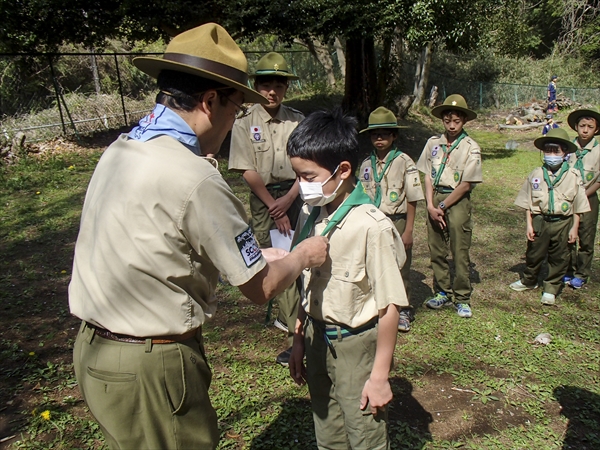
[312, 192]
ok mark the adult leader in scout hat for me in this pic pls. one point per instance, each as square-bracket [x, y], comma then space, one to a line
[454, 102]
[382, 118]
[556, 136]
[273, 65]
[573, 118]
[158, 225]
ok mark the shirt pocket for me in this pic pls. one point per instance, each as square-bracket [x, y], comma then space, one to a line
[351, 281]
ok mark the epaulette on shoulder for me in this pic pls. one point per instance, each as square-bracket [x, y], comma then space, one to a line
[294, 110]
[375, 213]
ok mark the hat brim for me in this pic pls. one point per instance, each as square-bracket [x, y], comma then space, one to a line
[384, 126]
[153, 66]
[574, 117]
[542, 141]
[275, 73]
[439, 110]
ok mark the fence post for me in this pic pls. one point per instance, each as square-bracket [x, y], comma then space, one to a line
[573, 90]
[120, 89]
[516, 97]
[55, 84]
[480, 95]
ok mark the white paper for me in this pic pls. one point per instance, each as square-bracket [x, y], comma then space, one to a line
[279, 240]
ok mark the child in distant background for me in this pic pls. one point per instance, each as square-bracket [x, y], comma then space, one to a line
[550, 124]
[552, 107]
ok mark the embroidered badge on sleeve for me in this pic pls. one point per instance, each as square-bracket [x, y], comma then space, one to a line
[248, 247]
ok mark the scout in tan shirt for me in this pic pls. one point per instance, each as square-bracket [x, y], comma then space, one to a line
[451, 163]
[553, 197]
[258, 150]
[392, 180]
[347, 326]
[586, 160]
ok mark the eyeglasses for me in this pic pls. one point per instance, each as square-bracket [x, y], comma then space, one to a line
[242, 110]
[380, 134]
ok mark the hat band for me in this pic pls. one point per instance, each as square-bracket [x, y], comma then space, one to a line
[214, 67]
[383, 125]
[270, 71]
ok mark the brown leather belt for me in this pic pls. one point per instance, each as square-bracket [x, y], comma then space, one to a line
[104, 333]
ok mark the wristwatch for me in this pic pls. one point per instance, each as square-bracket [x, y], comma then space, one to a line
[442, 206]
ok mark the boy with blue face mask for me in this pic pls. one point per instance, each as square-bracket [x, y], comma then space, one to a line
[553, 197]
[347, 322]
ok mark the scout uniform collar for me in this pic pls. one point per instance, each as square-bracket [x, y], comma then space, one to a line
[382, 118]
[392, 155]
[207, 51]
[273, 65]
[574, 117]
[454, 102]
[357, 197]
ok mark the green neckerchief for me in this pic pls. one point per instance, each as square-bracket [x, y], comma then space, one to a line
[357, 197]
[447, 152]
[579, 154]
[392, 155]
[551, 184]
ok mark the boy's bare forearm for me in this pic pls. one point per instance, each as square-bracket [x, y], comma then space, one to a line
[257, 186]
[386, 343]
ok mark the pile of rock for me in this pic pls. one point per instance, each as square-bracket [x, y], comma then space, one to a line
[530, 113]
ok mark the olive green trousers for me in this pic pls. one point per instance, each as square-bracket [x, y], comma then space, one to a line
[582, 255]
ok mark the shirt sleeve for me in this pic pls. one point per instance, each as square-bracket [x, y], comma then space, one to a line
[523, 199]
[424, 163]
[581, 204]
[473, 172]
[385, 258]
[412, 182]
[241, 152]
[216, 227]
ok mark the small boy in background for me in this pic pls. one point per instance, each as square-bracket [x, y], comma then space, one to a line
[451, 163]
[553, 197]
[258, 142]
[391, 179]
[586, 160]
[550, 124]
[347, 323]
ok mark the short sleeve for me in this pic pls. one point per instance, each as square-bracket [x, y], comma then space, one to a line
[523, 199]
[473, 172]
[241, 153]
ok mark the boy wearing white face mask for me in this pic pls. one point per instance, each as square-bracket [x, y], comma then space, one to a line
[347, 322]
[554, 197]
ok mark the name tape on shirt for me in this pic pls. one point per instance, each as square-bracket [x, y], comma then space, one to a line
[248, 247]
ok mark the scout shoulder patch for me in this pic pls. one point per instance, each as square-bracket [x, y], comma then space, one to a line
[393, 196]
[367, 174]
[248, 247]
[456, 177]
[564, 207]
[535, 184]
[435, 150]
[589, 176]
[256, 133]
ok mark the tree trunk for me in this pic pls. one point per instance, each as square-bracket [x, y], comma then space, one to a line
[339, 51]
[361, 78]
[422, 74]
[321, 53]
[95, 75]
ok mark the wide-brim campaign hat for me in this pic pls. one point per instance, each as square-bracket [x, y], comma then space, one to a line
[273, 65]
[574, 117]
[555, 136]
[381, 118]
[208, 52]
[454, 102]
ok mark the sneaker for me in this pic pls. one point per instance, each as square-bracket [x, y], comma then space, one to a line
[577, 283]
[283, 358]
[519, 286]
[464, 310]
[567, 279]
[282, 326]
[438, 301]
[405, 320]
[548, 299]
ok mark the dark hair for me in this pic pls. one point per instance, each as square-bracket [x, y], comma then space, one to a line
[579, 119]
[449, 112]
[269, 78]
[326, 138]
[183, 91]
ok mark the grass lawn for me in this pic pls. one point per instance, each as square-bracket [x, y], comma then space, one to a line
[477, 383]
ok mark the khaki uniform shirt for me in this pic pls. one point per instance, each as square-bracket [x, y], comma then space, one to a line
[569, 194]
[464, 163]
[400, 183]
[361, 274]
[259, 142]
[158, 225]
[591, 162]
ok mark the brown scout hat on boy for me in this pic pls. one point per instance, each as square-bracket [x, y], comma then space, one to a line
[454, 102]
[573, 118]
[208, 52]
[556, 136]
[273, 64]
[381, 118]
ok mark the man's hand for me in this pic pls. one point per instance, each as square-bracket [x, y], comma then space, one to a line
[437, 215]
[376, 395]
[273, 254]
[280, 206]
[314, 249]
[284, 226]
